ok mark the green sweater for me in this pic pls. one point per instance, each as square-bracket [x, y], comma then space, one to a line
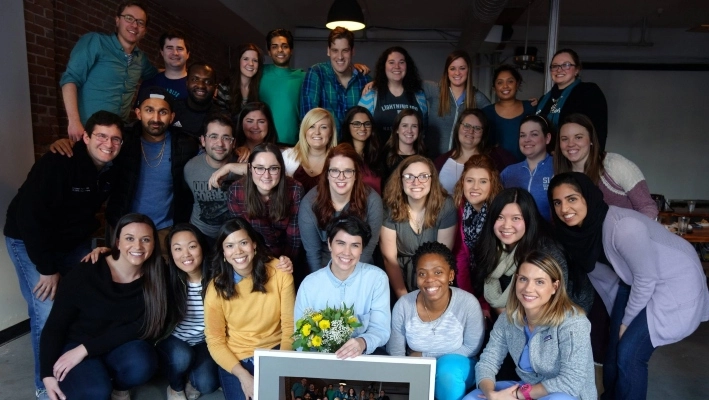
[280, 89]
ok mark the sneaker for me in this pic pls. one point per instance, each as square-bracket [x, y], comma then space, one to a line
[120, 395]
[173, 395]
[191, 392]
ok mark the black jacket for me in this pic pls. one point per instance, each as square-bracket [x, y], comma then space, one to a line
[55, 208]
[128, 164]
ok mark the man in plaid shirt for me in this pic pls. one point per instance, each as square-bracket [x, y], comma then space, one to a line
[336, 85]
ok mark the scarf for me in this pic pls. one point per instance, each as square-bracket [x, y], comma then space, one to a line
[555, 109]
[583, 244]
[473, 222]
[494, 294]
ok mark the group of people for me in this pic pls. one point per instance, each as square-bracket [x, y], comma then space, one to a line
[301, 390]
[443, 220]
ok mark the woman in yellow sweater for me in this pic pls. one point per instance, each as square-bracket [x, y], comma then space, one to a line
[248, 305]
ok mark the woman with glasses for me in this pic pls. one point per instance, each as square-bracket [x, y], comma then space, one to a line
[255, 126]
[418, 210]
[305, 161]
[447, 98]
[396, 87]
[269, 200]
[358, 130]
[341, 190]
[507, 112]
[243, 84]
[406, 140]
[569, 95]
[473, 137]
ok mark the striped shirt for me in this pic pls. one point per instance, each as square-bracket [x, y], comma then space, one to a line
[191, 328]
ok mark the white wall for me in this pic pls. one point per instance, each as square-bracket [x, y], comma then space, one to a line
[16, 151]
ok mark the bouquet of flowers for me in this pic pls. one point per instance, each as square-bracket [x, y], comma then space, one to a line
[325, 330]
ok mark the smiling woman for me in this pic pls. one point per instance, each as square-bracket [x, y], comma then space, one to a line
[255, 126]
[243, 84]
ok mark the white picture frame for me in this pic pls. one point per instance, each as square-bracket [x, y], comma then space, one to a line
[271, 365]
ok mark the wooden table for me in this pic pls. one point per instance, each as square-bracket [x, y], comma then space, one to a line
[698, 235]
[696, 215]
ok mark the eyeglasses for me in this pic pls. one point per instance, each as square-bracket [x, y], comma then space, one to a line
[358, 124]
[130, 19]
[335, 173]
[422, 178]
[471, 128]
[103, 138]
[272, 170]
[565, 66]
[226, 139]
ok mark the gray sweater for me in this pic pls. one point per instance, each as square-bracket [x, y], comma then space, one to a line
[459, 330]
[560, 355]
[315, 239]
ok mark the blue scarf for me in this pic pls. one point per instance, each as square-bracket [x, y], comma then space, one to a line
[555, 110]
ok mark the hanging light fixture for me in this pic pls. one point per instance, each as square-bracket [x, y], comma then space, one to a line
[347, 14]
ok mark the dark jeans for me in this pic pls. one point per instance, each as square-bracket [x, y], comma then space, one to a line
[124, 367]
[183, 362]
[625, 369]
[231, 384]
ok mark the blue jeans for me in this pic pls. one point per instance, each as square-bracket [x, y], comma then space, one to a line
[28, 276]
[231, 384]
[474, 395]
[128, 365]
[183, 362]
[455, 375]
[625, 369]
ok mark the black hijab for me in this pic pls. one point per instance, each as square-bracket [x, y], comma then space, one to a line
[583, 244]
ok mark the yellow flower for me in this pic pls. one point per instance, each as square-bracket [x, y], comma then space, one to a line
[324, 324]
[305, 330]
[352, 320]
[317, 317]
[316, 341]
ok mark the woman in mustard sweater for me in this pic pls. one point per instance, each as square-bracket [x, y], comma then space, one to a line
[248, 305]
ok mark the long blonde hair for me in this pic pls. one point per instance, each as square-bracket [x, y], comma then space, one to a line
[302, 148]
[555, 310]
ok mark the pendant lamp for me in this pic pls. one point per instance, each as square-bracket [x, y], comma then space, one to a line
[347, 14]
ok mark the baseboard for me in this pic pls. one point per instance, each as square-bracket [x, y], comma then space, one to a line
[14, 331]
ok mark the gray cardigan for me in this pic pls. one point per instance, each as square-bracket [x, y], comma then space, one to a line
[663, 270]
[315, 239]
[560, 355]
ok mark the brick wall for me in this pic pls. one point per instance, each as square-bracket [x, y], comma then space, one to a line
[54, 26]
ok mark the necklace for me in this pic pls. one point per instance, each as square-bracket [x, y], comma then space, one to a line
[417, 222]
[423, 300]
[162, 152]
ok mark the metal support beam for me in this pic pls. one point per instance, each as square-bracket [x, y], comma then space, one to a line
[553, 38]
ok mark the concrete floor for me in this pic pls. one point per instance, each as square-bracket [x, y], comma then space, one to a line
[677, 371]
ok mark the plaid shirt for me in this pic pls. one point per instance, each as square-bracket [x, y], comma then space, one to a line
[322, 88]
[282, 237]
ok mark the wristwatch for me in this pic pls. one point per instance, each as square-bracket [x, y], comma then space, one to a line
[526, 389]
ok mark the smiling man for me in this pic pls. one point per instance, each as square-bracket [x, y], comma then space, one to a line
[280, 86]
[51, 219]
[209, 210]
[346, 280]
[103, 71]
[191, 112]
[335, 85]
[175, 52]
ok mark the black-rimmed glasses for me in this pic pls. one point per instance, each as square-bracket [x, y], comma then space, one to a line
[335, 173]
[358, 124]
[409, 178]
[272, 170]
[565, 66]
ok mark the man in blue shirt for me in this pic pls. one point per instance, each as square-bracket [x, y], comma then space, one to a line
[175, 52]
[336, 85]
[103, 71]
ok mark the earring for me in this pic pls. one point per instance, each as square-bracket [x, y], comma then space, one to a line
[224, 259]
[450, 283]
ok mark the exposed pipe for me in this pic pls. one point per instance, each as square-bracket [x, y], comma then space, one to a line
[552, 40]
[573, 43]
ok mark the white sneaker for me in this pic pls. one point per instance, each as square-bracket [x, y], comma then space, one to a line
[191, 392]
[120, 395]
[173, 395]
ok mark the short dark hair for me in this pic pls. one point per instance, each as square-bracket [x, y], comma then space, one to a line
[574, 56]
[220, 118]
[279, 32]
[122, 7]
[173, 34]
[434, 248]
[507, 68]
[341, 33]
[103, 118]
[352, 226]
[204, 65]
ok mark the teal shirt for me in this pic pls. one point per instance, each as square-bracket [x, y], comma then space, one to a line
[280, 89]
[103, 78]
